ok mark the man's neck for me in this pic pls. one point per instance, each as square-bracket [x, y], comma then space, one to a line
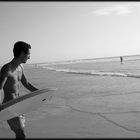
[16, 62]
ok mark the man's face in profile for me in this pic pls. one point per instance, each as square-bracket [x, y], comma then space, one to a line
[26, 56]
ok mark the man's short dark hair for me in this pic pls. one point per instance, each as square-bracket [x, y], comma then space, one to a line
[19, 47]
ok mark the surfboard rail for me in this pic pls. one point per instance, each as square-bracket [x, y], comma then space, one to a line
[23, 97]
[25, 103]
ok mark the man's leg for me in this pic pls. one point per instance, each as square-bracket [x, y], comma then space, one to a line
[19, 133]
[16, 125]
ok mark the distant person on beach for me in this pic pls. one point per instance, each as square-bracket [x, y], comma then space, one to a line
[11, 75]
[121, 59]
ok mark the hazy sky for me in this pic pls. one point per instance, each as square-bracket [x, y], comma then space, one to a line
[70, 30]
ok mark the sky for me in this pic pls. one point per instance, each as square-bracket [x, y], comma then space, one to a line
[60, 31]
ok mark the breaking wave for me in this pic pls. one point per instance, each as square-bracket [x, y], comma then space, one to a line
[93, 72]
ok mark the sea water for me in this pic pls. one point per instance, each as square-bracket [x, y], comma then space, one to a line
[99, 67]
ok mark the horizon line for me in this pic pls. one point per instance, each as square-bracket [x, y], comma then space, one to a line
[70, 60]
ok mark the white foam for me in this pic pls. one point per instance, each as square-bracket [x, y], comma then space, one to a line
[92, 72]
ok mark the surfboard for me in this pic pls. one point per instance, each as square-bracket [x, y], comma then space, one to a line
[25, 104]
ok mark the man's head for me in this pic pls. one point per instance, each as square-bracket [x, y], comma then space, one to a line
[22, 50]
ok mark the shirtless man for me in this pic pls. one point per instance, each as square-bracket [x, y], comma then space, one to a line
[11, 75]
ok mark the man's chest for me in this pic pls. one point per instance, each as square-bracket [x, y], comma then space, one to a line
[16, 74]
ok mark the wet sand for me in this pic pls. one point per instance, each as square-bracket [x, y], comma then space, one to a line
[83, 107]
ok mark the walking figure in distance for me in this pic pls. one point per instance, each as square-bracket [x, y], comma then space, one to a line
[121, 59]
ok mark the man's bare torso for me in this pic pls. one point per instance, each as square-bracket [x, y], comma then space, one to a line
[11, 87]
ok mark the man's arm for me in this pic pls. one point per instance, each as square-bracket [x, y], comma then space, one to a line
[3, 78]
[27, 84]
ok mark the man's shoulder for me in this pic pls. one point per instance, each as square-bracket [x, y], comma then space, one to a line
[5, 68]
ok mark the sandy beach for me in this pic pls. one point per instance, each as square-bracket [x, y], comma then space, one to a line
[84, 106]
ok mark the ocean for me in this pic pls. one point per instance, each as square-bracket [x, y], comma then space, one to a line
[101, 67]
